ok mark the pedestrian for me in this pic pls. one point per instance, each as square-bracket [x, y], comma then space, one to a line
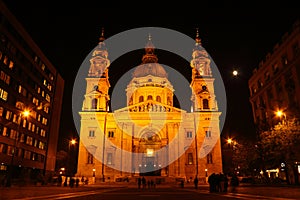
[152, 183]
[77, 182]
[182, 183]
[59, 180]
[196, 182]
[139, 182]
[144, 183]
[225, 182]
[149, 184]
[211, 182]
[234, 182]
[222, 182]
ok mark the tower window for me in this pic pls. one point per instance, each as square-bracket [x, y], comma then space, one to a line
[111, 134]
[208, 133]
[94, 103]
[109, 158]
[209, 158]
[205, 104]
[189, 134]
[141, 99]
[149, 97]
[90, 158]
[190, 158]
[92, 133]
[158, 99]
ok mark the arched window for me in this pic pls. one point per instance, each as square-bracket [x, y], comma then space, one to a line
[205, 104]
[94, 103]
[149, 97]
[158, 99]
[141, 99]
[169, 102]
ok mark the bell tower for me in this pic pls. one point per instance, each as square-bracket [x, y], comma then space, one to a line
[202, 84]
[96, 97]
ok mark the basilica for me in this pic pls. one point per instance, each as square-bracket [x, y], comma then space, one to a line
[150, 136]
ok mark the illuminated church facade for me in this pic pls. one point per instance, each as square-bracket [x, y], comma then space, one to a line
[149, 137]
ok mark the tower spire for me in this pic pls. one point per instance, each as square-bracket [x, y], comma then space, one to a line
[198, 40]
[149, 57]
[101, 39]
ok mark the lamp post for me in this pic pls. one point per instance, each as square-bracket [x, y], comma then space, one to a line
[72, 142]
[24, 113]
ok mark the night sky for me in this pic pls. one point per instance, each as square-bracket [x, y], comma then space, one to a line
[235, 36]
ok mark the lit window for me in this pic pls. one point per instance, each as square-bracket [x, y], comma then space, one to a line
[11, 65]
[8, 115]
[190, 158]
[41, 145]
[150, 152]
[48, 97]
[3, 94]
[1, 111]
[5, 60]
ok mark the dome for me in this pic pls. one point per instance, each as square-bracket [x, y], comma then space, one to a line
[153, 69]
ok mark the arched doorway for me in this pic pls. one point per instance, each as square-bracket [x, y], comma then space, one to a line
[149, 143]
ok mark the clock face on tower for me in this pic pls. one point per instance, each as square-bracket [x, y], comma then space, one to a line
[204, 87]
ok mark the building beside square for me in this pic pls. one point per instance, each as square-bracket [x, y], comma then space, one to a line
[275, 84]
[28, 82]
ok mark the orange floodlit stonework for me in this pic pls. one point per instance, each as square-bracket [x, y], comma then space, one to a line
[149, 137]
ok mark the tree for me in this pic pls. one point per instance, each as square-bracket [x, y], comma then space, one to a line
[282, 144]
[245, 157]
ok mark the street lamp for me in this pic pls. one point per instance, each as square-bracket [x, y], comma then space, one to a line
[280, 113]
[72, 142]
[24, 113]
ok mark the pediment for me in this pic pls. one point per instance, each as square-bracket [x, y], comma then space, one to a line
[150, 106]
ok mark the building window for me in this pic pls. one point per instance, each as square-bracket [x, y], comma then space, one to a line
[4, 77]
[141, 99]
[190, 158]
[158, 99]
[94, 103]
[295, 49]
[90, 158]
[275, 68]
[3, 94]
[11, 65]
[109, 158]
[189, 134]
[150, 97]
[267, 76]
[208, 133]
[92, 133]
[111, 134]
[205, 104]
[284, 60]
[209, 158]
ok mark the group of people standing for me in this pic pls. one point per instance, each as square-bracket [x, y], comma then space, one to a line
[219, 182]
[143, 183]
